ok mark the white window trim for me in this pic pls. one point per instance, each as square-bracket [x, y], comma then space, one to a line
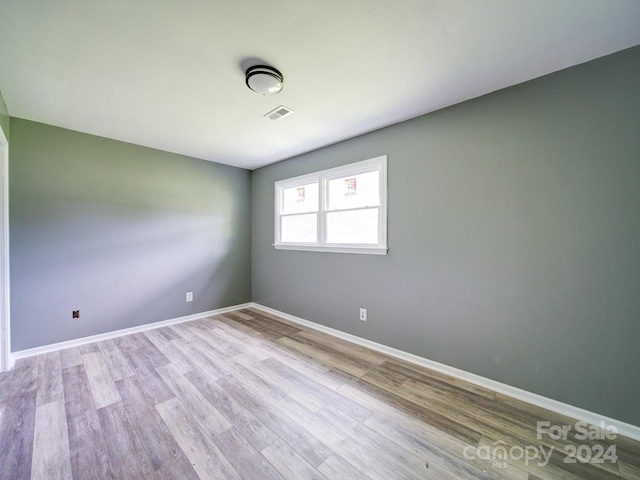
[321, 177]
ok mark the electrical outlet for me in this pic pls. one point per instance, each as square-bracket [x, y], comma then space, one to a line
[189, 296]
[75, 314]
[363, 314]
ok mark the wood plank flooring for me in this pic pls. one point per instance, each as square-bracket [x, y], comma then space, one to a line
[247, 395]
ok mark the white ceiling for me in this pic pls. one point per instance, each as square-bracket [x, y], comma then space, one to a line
[170, 74]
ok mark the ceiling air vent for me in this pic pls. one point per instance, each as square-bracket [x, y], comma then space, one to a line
[279, 112]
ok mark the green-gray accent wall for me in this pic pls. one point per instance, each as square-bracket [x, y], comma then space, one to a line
[514, 235]
[119, 232]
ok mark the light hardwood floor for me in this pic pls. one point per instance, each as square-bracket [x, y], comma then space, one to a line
[250, 396]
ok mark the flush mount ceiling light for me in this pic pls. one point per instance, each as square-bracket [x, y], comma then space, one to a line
[264, 80]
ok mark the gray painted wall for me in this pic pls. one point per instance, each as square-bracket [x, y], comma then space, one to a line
[120, 232]
[514, 234]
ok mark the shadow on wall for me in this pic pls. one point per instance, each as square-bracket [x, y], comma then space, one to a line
[121, 233]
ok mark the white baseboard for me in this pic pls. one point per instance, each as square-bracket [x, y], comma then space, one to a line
[579, 414]
[625, 429]
[118, 333]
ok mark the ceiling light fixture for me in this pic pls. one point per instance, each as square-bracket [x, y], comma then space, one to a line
[264, 80]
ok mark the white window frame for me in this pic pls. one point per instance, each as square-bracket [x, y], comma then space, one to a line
[322, 178]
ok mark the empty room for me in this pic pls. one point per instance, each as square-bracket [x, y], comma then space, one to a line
[363, 240]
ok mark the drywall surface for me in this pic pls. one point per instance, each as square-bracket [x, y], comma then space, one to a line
[514, 235]
[119, 232]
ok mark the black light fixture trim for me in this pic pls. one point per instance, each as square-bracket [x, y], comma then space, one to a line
[266, 80]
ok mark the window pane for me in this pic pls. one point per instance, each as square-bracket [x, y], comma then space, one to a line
[341, 209]
[354, 191]
[353, 227]
[299, 228]
[300, 199]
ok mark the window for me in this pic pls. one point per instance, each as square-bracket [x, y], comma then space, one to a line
[343, 210]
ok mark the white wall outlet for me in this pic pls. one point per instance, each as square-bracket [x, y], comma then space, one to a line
[363, 314]
[189, 296]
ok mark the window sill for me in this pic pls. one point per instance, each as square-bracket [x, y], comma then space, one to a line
[337, 249]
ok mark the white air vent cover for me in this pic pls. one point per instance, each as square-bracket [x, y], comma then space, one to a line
[279, 112]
